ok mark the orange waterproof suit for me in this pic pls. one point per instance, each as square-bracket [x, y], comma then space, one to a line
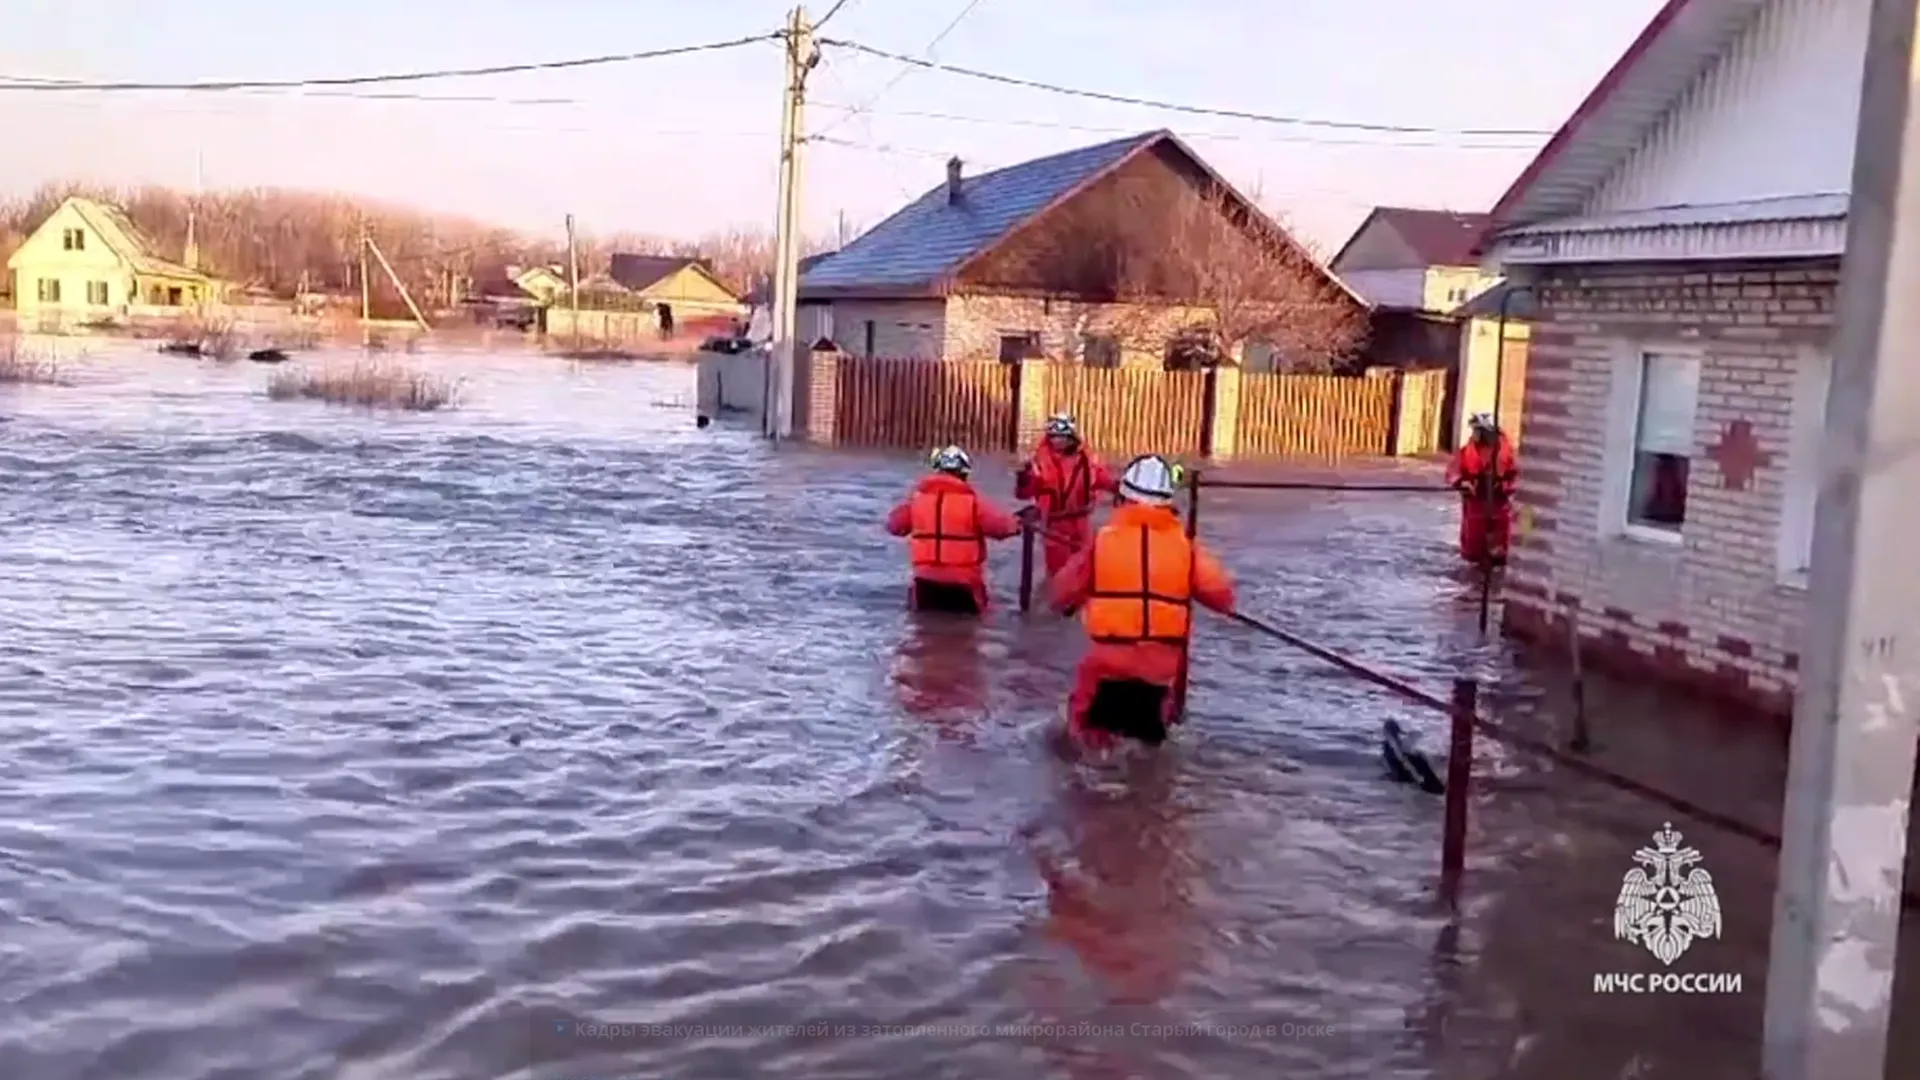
[948, 524]
[1135, 586]
[1485, 475]
[1062, 488]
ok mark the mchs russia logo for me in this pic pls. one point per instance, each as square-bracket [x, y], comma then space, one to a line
[1667, 903]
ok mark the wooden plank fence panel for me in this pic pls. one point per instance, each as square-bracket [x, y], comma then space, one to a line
[1314, 415]
[921, 404]
[1127, 411]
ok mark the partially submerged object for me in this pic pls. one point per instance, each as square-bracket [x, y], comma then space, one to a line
[181, 348]
[268, 356]
[1406, 763]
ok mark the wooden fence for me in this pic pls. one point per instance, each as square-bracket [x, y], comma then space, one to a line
[1126, 411]
[921, 404]
[1314, 415]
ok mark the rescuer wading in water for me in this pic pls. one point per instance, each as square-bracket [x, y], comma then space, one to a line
[1484, 472]
[1135, 586]
[1061, 479]
[947, 525]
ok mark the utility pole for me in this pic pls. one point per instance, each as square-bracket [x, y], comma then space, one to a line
[573, 282]
[802, 55]
[1836, 917]
[366, 291]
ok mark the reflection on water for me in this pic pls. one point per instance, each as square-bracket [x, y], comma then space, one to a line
[557, 738]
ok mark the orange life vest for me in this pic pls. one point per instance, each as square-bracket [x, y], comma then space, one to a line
[1142, 586]
[946, 529]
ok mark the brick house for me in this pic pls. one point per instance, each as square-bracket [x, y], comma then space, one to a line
[983, 267]
[1681, 236]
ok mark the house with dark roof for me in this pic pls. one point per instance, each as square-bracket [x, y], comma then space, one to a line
[1681, 236]
[1022, 262]
[1420, 269]
[685, 285]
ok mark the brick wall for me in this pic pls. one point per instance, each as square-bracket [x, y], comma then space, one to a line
[1710, 612]
[975, 324]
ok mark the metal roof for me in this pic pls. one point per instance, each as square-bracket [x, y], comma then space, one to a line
[1745, 212]
[1437, 237]
[930, 237]
[1678, 45]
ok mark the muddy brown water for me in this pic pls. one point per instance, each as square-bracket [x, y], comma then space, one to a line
[554, 738]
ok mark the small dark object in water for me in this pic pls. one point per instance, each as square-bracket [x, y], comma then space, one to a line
[1406, 763]
[268, 356]
[701, 421]
[1132, 708]
[181, 348]
[513, 739]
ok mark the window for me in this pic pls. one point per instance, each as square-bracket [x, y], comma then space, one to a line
[157, 296]
[1802, 495]
[73, 239]
[1016, 347]
[1097, 350]
[97, 293]
[1665, 401]
[868, 350]
[49, 290]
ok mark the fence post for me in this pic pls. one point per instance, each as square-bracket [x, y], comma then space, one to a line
[1222, 421]
[1396, 407]
[1016, 379]
[1030, 407]
[1453, 839]
[823, 397]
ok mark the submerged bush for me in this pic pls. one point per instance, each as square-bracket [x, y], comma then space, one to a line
[370, 385]
[21, 366]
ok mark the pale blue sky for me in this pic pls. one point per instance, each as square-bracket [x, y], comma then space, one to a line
[684, 145]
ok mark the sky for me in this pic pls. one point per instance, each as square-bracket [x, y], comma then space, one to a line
[686, 145]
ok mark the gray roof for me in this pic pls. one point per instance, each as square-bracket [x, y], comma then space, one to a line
[1521, 303]
[929, 238]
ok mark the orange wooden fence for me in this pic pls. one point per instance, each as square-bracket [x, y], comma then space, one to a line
[921, 404]
[1127, 411]
[1314, 415]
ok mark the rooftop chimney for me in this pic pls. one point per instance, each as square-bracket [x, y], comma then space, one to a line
[953, 181]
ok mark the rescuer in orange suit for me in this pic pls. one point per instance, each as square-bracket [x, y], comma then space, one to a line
[1484, 472]
[1135, 586]
[1061, 479]
[947, 525]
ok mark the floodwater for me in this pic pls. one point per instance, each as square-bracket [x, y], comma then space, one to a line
[554, 738]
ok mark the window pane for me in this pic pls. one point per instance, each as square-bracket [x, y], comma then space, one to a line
[1669, 391]
[1657, 497]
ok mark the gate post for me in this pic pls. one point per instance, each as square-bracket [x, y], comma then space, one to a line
[823, 396]
[1453, 839]
[1222, 419]
[1029, 403]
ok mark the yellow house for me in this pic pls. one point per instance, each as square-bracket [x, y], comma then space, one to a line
[682, 285]
[544, 283]
[88, 263]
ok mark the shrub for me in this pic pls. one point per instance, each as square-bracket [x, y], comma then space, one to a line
[370, 385]
[21, 366]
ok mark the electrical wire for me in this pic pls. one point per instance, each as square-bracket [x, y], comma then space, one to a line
[1310, 140]
[831, 12]
[901, 75]
[1169, 106]
[63, 86]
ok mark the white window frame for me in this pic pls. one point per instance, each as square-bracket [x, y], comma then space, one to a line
[1623, 418]
[1800, 491]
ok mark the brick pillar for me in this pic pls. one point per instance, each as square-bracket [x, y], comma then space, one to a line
[1225, 410]
[823, 392]
[1032, 405]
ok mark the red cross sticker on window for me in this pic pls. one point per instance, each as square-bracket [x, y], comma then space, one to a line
[1739, 455]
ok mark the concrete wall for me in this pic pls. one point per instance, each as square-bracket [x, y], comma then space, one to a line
[732, 384]
[1718, 606]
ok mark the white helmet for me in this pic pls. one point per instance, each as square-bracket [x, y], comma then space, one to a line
[950, 459]
[1150, 479]
[1061, 425]
[1482, 422]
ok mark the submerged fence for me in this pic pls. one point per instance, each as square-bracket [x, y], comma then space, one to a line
[1220, 413]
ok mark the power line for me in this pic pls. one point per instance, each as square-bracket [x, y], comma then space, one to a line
[1310, 140]
[831, 12]
[906, 71]
[1169, 106]
[51, 86]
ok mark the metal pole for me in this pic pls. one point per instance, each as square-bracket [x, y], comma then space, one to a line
[1453, 838]
[1836, 920]
[366, 292]
[1026, 566]
[573, 282]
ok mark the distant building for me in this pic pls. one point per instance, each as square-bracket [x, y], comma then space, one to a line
[685, 285]
[87, 263]
[543, 283]
[1420, 271]
[1682, 236]
[1008, 264]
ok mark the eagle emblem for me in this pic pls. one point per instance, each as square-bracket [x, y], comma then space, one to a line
[1667, 902]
